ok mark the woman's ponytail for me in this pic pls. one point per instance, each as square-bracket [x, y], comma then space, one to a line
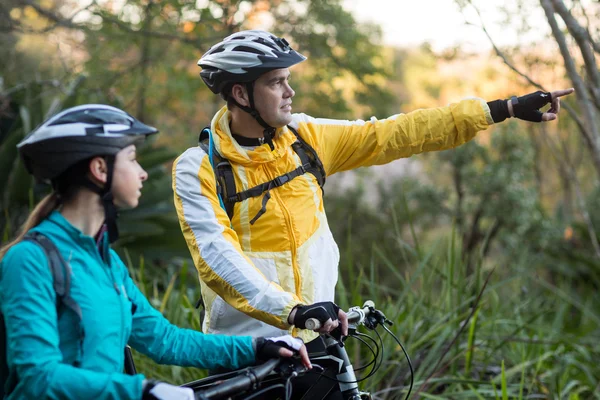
[39, 213]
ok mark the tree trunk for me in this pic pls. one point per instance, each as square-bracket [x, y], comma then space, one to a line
[590, 127]
[144, 63]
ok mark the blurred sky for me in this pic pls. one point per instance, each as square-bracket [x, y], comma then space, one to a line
[439, 22]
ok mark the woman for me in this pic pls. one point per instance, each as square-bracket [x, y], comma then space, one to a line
[88, 153]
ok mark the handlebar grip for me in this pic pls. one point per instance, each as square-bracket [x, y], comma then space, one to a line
[312, 324]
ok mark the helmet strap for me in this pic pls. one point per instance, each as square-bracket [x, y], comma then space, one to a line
[269, 131]
[110, 210]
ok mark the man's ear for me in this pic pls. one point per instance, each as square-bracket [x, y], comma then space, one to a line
[98, 170]
[240, 94]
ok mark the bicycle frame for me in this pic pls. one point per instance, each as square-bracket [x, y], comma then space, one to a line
[338, 372]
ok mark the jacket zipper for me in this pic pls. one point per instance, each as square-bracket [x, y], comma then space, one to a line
[109, 272]
[288, 220]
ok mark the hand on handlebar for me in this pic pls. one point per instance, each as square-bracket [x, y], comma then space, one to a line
[321, 317]
[281, 346]
[154, 390]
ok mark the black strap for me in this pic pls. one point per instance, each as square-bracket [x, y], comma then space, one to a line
[264, 187]
[317, 168]
[8, 381]
[61, 278]
[129, 363]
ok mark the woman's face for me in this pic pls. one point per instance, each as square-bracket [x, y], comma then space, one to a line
[128, 176]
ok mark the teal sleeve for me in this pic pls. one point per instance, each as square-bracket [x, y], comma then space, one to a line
[153, 335]
[27, 301]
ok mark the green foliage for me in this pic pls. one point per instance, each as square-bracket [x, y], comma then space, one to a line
[498, 333]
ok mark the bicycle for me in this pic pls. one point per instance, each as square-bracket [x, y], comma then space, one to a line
[332, 365]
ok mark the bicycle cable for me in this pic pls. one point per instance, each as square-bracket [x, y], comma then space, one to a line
[288, 387]
[374, 352]
[370, 374]
[407, 359]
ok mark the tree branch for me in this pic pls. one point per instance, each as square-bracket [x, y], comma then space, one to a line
[595, 46]
[493, 232]
[579, 34]
[141, 97]
[60, 21]
[510, 65]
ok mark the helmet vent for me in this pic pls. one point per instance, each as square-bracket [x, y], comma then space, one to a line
[94, 130]
[247, 49]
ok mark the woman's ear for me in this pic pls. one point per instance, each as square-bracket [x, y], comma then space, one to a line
[98, 170]
[240, 94]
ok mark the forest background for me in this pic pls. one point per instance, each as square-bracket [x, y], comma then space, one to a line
[486, 257]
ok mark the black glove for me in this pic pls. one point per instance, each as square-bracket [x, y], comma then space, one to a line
[267, 348]
[524, 107]
[320, 311]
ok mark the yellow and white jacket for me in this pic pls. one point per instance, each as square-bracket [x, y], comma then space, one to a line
[253, 275]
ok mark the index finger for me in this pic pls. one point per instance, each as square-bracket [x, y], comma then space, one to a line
[563, 92]
[344, 320]
[304, 357]
[283, 352]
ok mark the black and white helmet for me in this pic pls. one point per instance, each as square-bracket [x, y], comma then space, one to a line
[243, 57]
[77, 134]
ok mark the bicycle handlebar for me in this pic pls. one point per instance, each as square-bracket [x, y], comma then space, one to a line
[238, 384]
[355, 315]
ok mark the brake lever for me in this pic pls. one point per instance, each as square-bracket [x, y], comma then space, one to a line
[337, 335]
[376, 318]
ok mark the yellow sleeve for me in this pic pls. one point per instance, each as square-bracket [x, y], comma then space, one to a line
[345, 145]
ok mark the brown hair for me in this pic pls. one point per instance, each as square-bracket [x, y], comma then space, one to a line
[39, 213]
[65, 187]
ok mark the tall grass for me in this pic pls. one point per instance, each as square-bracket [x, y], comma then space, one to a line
[503, 332]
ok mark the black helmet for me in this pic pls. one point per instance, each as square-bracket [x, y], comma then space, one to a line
[78, 134]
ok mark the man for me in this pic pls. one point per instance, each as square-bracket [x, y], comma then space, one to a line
[273, 265]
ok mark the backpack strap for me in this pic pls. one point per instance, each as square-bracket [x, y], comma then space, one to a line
[308, 155]
[8, 381]
[225, 180]
[61, 278]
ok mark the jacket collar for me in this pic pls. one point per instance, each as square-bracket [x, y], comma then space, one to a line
[230, 149]
[66, 229]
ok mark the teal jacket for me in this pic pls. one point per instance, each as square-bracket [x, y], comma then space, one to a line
[42, 347]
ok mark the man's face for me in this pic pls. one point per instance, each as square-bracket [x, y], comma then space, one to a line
[273, 97]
